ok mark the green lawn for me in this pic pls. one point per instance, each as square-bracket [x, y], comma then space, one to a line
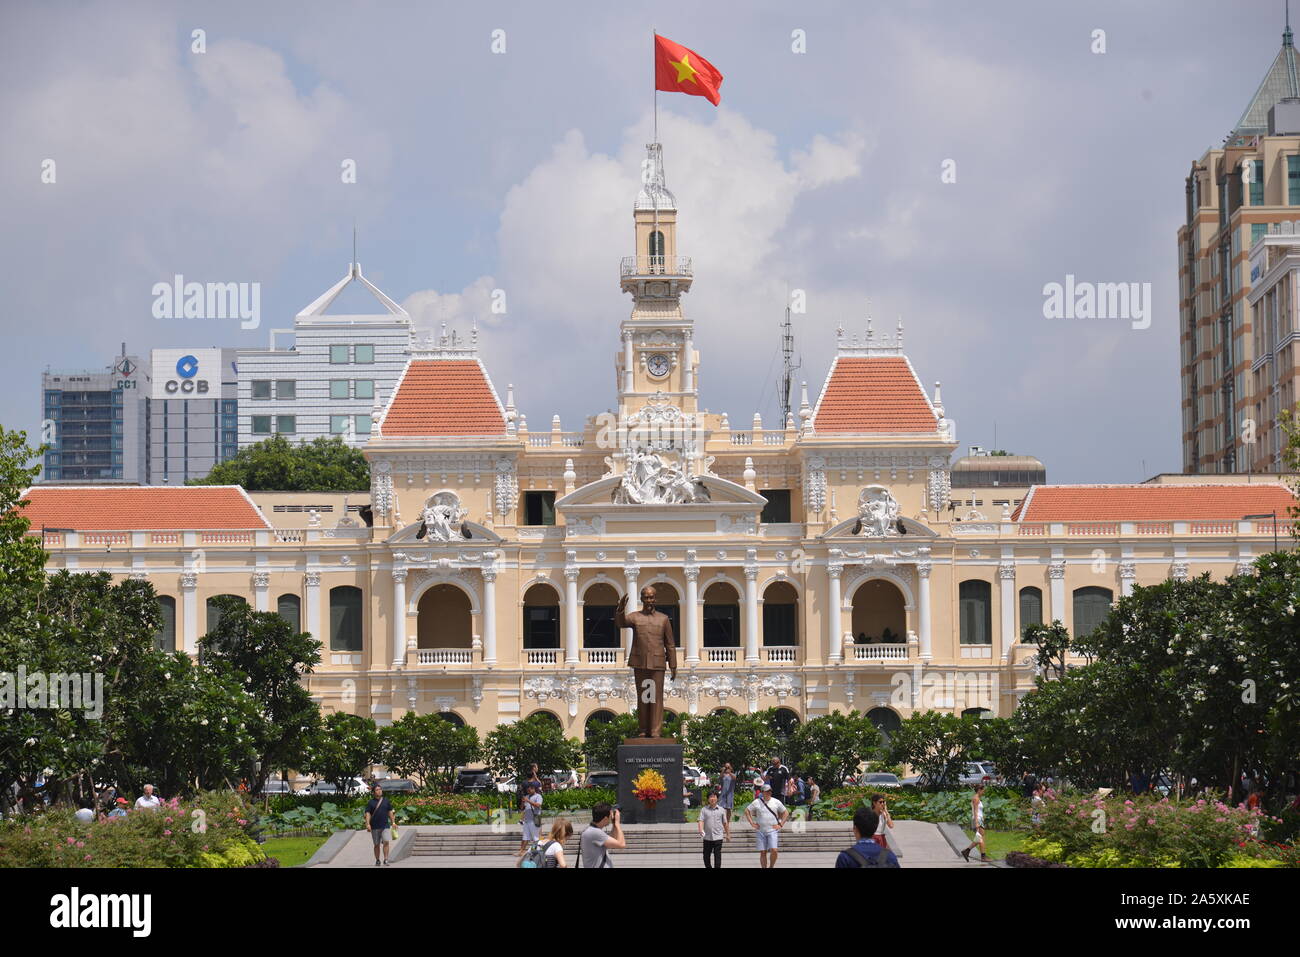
[998, 843]
[292, 851]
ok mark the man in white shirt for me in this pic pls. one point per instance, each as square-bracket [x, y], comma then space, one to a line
[148, 799]
[767, 816]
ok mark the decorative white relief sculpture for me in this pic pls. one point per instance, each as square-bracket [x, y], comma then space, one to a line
[650, 480]
[442, 517]
[878, 510]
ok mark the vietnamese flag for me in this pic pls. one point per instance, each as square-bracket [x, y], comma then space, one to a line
[679, 70]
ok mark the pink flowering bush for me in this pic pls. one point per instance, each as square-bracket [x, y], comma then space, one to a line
[1147, 831]
[174, 835]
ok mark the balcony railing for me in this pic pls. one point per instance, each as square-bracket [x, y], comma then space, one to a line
[656, 266]
[788, 654]
[886, 652]
[555, 440]
[444, 656]
[721, 655]
[542, 656]
[602, 656]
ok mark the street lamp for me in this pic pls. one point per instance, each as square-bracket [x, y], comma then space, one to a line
[1273, 516]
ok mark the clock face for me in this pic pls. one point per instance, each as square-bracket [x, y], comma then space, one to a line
[658, 365]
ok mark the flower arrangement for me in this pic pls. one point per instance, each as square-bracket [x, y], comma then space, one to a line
[650, 787]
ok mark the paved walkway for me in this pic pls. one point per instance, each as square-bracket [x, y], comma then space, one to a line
[922, 845]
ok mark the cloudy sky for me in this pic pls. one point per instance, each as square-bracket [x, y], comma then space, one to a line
[478, 170]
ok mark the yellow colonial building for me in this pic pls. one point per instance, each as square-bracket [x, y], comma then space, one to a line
[821, 563]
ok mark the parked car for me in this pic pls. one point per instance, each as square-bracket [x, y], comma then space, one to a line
[277, 787]
[915, 781]
[694, 777]
[397, 786]
[878, 779]
[472, 780]
[976, 773]
[603, 779]
[355, 787]
[560, 780]
[507, 785]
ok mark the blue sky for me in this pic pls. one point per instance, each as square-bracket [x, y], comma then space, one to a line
[516, 171]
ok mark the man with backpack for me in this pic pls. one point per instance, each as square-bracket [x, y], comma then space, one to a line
[866, 852]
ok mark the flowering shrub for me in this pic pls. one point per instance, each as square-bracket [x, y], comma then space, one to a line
[1145, 831]
[650, 787]
[211, 830]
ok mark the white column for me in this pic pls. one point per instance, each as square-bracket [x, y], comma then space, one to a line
[313, 609]
[190, 613]
[261, 591]
[923, 571]
[1056, 571]
[399, 616]
[751, 613]
[489, 616]
[688, 370]
[1007, 574]
[572, 621]
[1127, 577]
[833, 636]
[627, 361]
[690, 626]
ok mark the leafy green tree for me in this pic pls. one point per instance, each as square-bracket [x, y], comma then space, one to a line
[742, 739]
[512, 748]
[428, 747]
[1053, 643]
[935, 745]
[274, 465]
[342, 748]
[832, 746]
[601, 745]
[264, 651]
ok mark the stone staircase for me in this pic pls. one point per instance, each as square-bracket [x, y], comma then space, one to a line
[816, 836]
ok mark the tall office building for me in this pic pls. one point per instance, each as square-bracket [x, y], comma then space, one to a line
[94, 423]
[1234, 378]
[329, 383]
[193, 413]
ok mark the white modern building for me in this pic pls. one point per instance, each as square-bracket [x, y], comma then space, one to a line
[339, 369]
[193, 419]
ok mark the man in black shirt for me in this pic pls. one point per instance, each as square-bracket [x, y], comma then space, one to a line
[379, 822]
[776, 776]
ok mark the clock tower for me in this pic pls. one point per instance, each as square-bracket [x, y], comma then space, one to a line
[657, 364]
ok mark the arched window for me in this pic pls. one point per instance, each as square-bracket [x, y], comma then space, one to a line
[345, 618]
[541, 617]
[452, 717]
[780, 615]
[886, 721]
[214, 613]
[666, 600]
[1091, 606]
[973, 712]
[975, 606]
[598, 607]
[1031, 608]
[546, 716]
[722, 711]
[444, 618]
[165, 638]
[289, 607]
[721, 616]
[656, 249]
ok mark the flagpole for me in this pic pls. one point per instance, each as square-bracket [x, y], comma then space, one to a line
[654, 78]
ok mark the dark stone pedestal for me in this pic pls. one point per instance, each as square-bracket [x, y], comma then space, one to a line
[665, 756]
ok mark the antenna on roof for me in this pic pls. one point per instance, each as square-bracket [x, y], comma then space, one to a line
[789, 365]
[354, 247]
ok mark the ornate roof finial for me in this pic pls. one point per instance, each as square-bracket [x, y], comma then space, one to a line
[654, 191]
[900, 332]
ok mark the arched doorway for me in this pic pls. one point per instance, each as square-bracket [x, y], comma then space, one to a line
[603, 716]
[721, 616]
[780, 615]
[598, 606]
[879, 613]
[886, 721]
[784, 722]
[549, 716]
[452, 717]
[445, 619]
[722, 711]
[541, 617]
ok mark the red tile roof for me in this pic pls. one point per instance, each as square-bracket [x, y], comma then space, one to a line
[873, 394]
[121, 507]
[1160, 503]
[444, 397]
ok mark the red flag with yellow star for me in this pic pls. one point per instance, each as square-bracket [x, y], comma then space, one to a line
[679, 70]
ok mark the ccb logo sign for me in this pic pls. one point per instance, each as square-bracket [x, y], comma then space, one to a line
[187, 367]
